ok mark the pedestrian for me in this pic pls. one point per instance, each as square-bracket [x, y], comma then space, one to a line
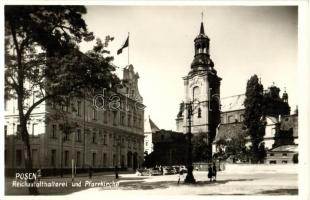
[116, 172]
[214, 171]
[210, 172]
[180, 176]
[90, 172]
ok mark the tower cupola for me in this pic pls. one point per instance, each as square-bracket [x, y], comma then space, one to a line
[202, 59]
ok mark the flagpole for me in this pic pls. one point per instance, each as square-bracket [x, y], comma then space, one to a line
[128, 48]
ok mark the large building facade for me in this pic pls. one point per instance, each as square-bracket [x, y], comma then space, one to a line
[202, 91]
[99, 137]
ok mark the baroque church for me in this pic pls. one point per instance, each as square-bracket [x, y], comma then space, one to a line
[200, 108]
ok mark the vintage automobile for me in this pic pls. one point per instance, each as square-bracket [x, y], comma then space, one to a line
[176, 169]
[168, 170]
[155, 172]
[143, 172]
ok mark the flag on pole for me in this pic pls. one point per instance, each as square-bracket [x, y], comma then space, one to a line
[126, 44]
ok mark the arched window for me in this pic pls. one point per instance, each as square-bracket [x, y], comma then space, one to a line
[196, 93]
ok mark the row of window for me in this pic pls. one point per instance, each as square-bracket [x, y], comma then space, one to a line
[31, 130]
[102, 139]
[132, 119]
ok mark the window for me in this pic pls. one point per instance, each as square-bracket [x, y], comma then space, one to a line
[78, 158]
[94, 159]
[284, 154]
[78, 135]
[104, 159]
[18, 133]
[230, 119]
[35, 157]
[66, 137]
[53, 157]
[122, 119]
[94, 114]
[114, 117]
[196, 93]
[134, 121]
[66, 159]
[272, 162]
[129, 120]
[241, 118]
[54, 129]
[94, 137]
[114, 160]
[34, 96]
[284, 161]
[79, 108]
[105, 116]
[104, 139]
[18, 157]
[271, 154]
[33, 128]
[122, 161]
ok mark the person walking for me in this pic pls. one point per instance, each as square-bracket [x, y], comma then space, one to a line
[180, 176]
[210, 172]
[214, 171]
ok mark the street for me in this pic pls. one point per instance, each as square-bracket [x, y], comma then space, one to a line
[235, 180]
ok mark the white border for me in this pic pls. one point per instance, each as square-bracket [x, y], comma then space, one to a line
[303, 84]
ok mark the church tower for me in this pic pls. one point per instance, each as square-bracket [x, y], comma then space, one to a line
[202, 89]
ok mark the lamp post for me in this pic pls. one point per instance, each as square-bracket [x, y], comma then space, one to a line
[190, 112]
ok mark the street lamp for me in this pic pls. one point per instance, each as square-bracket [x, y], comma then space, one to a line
[190, 107]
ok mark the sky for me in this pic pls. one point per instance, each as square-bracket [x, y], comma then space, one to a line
[244, 40]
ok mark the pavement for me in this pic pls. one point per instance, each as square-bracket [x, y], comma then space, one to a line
[235, 180]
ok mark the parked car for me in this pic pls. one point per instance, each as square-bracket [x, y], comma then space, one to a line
[176, 169]
[143, 172]
[155, 172]
[168, 170]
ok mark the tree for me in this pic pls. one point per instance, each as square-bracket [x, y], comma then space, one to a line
[201, 150]
[42, 60]
[253, 116]
[232, 146]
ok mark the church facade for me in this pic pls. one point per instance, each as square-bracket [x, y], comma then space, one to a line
[200, 109]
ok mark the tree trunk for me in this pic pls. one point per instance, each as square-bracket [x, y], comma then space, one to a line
[28, 157]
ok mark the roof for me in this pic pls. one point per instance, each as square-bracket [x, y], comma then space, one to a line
[150, 126]
[290, 148]
[271, 120]
[232, 103]
[229, 131]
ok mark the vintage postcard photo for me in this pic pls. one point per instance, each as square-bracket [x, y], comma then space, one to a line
[151, 100]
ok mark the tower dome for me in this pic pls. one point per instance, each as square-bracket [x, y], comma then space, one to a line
[202, 59]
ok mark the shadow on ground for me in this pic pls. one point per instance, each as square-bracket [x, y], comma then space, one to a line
[142, 185]
[280, 192]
